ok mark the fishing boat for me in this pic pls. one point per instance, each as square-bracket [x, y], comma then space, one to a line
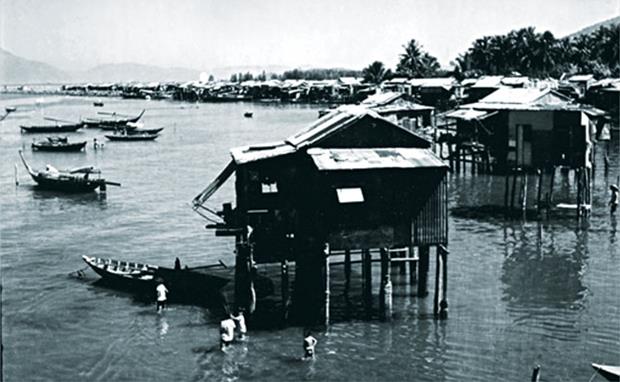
[10, 109]
[144, 131]
[248, 114]
[75, 181]
[55, 128]
[98, 104]
[112, 120]
[142, 277]
[58, 144]
[132, 137]
[610, 373]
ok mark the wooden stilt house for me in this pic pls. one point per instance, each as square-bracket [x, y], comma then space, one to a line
[350, 181]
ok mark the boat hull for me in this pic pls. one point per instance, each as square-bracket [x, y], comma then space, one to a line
[51, 129]
[135, 137]
[72, 184]
[63, 147]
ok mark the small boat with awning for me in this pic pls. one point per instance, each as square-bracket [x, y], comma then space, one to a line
[58, 144]
[78, 180]
[610, 373]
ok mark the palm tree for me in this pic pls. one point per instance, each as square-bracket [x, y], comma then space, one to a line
[376, 73]
[414, 62]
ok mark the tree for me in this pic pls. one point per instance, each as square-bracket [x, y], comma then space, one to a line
[233, 78]
[415, 62]
[211, 78]
[376, 73]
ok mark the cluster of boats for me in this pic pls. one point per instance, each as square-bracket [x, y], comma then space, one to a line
[122, 127]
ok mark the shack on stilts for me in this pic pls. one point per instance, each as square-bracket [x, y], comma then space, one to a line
[516, 132]
[351, 185]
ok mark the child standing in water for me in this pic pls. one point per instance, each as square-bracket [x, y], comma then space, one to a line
[309, 344]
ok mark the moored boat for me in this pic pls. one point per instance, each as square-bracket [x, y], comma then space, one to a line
[144, 131]
[132, 137]
[74, 181]
[610, 373]
[98, 104]
[185, 284]
[58, 144]
[111, 121]
[55, 128]
[248, 114]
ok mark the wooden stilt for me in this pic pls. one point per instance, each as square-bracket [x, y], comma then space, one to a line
[403, 265]
[443, 303]
[579, 191]
[242, 277]
[327, 292]
[523, 193]
[412, 266]
[458, 158]
[450, 157]
[367, 270]
[347, 272]
[386, 286]
[437, 278]
[539, 190]
[506, 190]
[513, 191]
[423, 271]
[551, 184]
[285, 289]
[473, 163]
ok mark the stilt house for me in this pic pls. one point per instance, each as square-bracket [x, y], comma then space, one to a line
[351, 180]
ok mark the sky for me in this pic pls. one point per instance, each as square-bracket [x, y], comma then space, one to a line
[206, 34]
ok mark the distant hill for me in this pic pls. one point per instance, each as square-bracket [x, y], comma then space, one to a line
[594, 27]
[18, 70]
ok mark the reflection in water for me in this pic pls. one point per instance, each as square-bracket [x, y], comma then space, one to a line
[162, 324]
[543, 281]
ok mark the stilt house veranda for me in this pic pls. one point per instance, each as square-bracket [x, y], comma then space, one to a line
[351, 180]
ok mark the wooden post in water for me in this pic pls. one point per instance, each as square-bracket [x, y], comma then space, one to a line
[16, 179]
[386, 286]
[424, 252]
[513, 191]
[506, 190]
[551, 183]
[347, 272]
[523, 193]
[443, 302]
[285, 289]
[367, 272]
[458, 158]
[539, 190]
[536, 374]
[437, 278]
[451, 159]
[579, 191]
[326, 253]
[412, 266]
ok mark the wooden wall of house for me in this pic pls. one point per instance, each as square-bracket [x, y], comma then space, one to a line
[570, 138]
[305, 211]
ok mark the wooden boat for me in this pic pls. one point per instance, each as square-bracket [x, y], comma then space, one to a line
[10, 109]
[56, 128]
[132, 137]
[144, 131]
[610, 373]
[75, 181]
[111, 121]
[98, 104]
[58, 144]
[185, 284]
[126, 127]
[248, 114]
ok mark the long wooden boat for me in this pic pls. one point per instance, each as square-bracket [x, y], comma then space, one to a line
[111, 121]
[56, 128]
[610, 373]
[144, 131]
[184, 284]
[132, 137]
[58, 144]
[74, 181]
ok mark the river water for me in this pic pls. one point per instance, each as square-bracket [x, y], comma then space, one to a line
[520, 293]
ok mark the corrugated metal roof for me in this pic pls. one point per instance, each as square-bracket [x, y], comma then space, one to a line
[488, 82]
[380, 99]
[581, 78]
[468, 114]
[525, 96]
[247, 154]
[374, 158]
[443, 82]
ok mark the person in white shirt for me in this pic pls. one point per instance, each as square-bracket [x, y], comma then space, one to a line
[162, 295]
[239, 319]
[227, 333]
[309, 344]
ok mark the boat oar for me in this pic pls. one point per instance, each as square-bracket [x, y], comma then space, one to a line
[113, 183]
